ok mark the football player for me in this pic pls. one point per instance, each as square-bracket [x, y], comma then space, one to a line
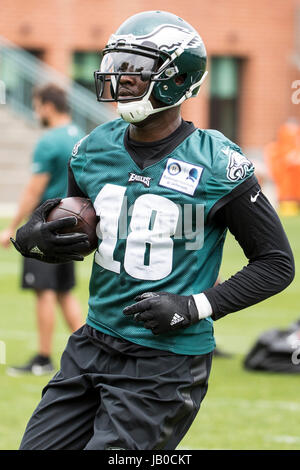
[166, 192]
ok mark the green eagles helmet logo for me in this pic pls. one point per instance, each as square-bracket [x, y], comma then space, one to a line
[164, 37]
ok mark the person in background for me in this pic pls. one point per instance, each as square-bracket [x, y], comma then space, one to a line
[52, 283]
[282, 158]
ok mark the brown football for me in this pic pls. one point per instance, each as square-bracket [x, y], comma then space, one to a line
[83, 209]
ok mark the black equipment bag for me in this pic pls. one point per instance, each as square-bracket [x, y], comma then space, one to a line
[276, 351]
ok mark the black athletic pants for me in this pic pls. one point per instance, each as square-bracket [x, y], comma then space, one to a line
[110, 393]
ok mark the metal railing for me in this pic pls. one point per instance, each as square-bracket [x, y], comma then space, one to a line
[20, 72]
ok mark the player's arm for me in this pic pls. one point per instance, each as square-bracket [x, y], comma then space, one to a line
[259, 232]
[235, 201]
[41, 239]
[29, 200]
[257, 228]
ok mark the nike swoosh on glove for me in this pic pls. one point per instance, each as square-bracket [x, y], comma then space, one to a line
[38, 239]
[162, 312]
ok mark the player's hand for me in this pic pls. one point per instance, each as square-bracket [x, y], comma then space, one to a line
[5, 237]
[162, 312]
[39, 239]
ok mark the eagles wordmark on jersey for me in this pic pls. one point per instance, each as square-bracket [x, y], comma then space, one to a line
[155, 233]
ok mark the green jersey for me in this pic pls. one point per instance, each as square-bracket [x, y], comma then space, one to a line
[155, 233]
[51, 155]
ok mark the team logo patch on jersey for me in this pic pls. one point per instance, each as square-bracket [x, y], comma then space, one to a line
[181, 176]
[76, 146]
[145, 180]
[237, 166]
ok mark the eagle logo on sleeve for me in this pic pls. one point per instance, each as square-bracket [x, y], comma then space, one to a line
[238, 164]
[76, 146]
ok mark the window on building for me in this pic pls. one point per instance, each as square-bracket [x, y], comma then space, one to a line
[225, 73]
[84, 64]
[37, 53]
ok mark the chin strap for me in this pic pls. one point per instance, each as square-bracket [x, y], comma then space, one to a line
[137, 111]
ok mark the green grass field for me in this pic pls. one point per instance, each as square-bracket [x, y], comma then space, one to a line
[242, 410]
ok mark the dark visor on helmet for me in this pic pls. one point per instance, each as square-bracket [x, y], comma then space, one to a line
[122, 61]
[116, 65]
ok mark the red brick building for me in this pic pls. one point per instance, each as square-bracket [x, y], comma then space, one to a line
[253, 45]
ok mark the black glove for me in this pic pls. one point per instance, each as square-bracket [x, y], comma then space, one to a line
[162, 312]
[38, 239]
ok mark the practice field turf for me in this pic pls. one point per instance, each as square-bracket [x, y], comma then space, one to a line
[242, 410]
